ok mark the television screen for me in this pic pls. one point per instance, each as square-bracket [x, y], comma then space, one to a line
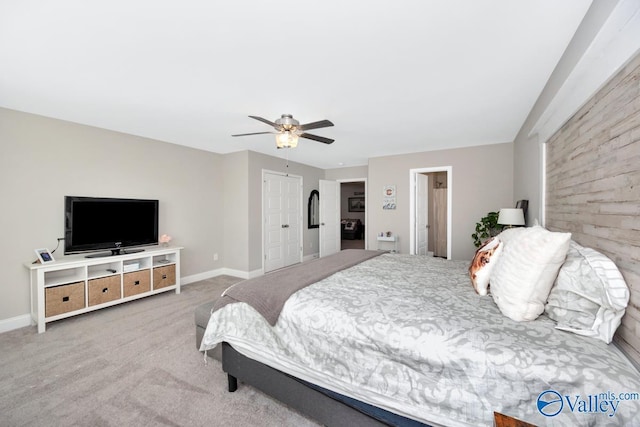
[98, 223]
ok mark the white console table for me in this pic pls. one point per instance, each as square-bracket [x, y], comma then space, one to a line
[75, 284]
[393, 239]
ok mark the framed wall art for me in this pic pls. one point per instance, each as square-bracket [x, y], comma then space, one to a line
[389, 197]
[356, 204]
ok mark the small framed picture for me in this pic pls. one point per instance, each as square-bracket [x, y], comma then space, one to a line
[356, 204]
[44, 256]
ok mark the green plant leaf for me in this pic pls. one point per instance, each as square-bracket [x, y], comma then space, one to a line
[487, 227]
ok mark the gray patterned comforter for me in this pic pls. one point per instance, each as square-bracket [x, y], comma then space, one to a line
[409, 334]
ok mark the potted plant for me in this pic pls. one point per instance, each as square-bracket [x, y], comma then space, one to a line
[487, 227]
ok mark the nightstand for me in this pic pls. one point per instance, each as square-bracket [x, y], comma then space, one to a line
[501, 420]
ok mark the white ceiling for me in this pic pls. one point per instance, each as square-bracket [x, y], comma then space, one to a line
[394, 76]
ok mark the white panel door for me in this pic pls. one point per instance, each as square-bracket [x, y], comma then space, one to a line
[291, 221]
[282, 221]
[329, 217]
[273, 200]
[422, 214]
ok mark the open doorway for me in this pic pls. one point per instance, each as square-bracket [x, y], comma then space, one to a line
[353, 214]
[430, 208]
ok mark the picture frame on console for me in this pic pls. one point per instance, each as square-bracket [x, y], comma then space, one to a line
[44, 256]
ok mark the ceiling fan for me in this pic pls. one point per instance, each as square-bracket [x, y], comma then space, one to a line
[289, 130]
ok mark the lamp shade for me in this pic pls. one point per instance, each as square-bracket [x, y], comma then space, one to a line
[511, 216]
[286, 139]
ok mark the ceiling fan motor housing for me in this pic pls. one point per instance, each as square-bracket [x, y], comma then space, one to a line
[287, 122]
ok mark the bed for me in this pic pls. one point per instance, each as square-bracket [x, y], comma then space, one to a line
[406, 340]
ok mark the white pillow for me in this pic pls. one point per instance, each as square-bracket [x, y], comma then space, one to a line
[485, 259]
[526, 270]
[590, 295]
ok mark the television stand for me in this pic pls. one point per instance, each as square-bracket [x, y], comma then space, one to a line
[75, 285]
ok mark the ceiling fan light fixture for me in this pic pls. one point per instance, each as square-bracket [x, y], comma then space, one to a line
[287, 139]
[288, 130]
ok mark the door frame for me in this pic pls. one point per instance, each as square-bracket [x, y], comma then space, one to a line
[263, 219]
[366, 203]
[412, 204]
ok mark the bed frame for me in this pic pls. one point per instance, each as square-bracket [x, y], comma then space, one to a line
[310, 400]
[301, 396]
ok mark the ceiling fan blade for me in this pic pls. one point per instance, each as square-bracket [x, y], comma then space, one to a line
[253, 133]
[317, 138]
[270, 123]
[316, 125]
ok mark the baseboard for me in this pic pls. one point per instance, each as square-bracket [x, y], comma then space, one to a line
[243, 274]
[17, 322]
[312, 256]
[25, 319]
[186, 280]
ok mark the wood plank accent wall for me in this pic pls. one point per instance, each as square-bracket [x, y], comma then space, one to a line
[593, 185]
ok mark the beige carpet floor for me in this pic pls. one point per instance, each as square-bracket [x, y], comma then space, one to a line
[134, 364]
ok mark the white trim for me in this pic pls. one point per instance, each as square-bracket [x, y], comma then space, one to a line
[543, 184]
[310, 257]
[200, 276]
[366, 201]
[17, 322]
[617, 41]
[242, 274]
[220, 272]
[412, 204]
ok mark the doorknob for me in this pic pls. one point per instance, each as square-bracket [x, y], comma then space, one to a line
[322, 223]
[285, 225]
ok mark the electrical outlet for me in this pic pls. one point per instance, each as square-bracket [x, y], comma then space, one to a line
[215, 257]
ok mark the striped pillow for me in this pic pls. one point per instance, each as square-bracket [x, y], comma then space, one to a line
[589, 296]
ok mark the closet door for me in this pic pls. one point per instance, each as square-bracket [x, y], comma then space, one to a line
[282, 221]
[292, 221]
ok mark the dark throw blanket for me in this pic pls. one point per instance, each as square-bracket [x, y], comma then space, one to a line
[267, 294]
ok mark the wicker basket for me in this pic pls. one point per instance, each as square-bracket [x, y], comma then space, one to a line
[137, 282]
[63, 299]
[164, 276]
[104, 290]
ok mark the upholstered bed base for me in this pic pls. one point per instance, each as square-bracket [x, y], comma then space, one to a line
[290, 391]
[310, 400]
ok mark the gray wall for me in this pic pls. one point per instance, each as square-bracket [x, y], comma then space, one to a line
[528, 155]
[236, 211]
[45, 159]
[482, 182]
[352, 172]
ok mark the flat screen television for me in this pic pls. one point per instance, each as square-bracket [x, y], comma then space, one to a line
[98, 223]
